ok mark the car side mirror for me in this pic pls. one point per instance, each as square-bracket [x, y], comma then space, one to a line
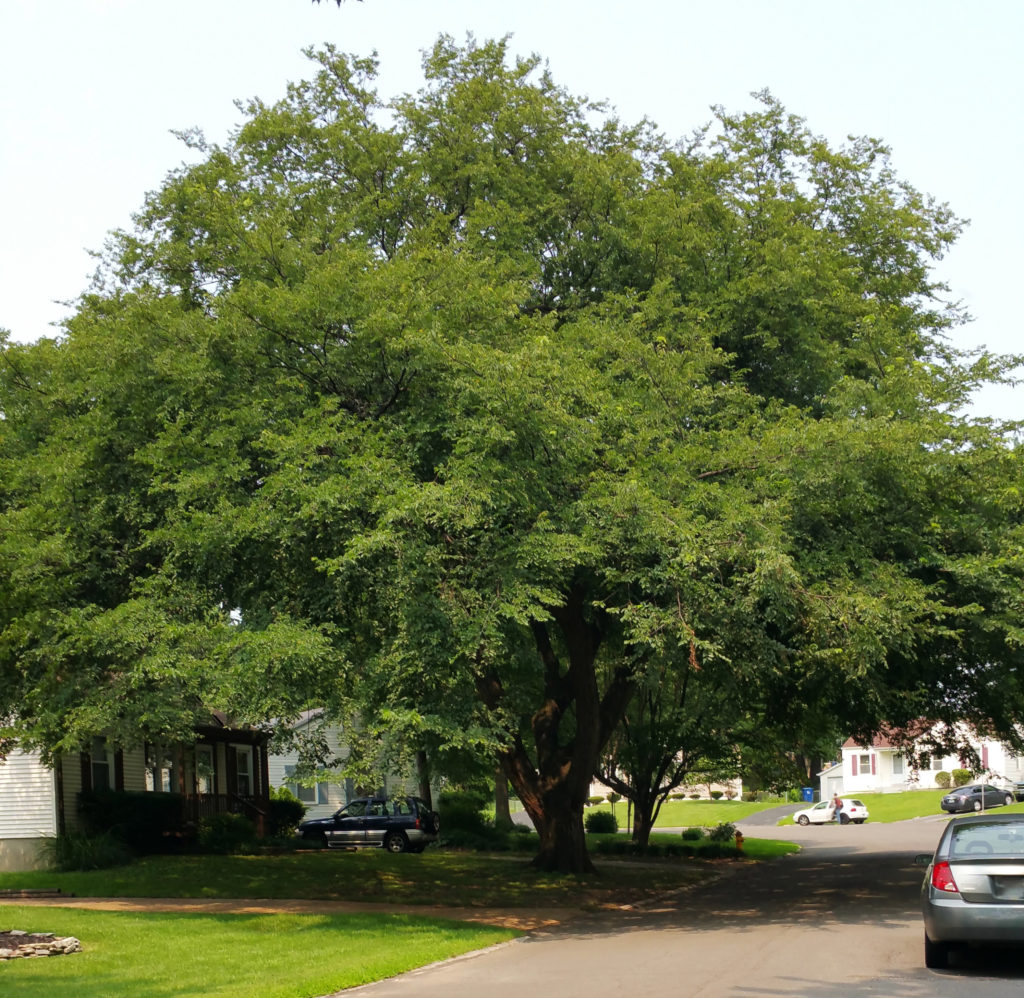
[922, 859]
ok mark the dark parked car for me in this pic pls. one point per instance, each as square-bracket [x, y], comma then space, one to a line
[401, 824]
[973, 891]
[975, 797]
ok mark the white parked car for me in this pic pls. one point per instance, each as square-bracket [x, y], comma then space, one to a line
[853, 810]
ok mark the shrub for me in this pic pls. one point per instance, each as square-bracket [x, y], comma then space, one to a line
[595, 800]
[225, 833]
[601, 822]
[724, 832]
[286, 811]
[614, 798]
[692, 834]
[145, 822]
[943, 780]
[961, 776]
[716, 795]
[694, 796]
[463, 825]
[79, 851]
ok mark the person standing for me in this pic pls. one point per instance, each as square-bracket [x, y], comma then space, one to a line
[837, 808]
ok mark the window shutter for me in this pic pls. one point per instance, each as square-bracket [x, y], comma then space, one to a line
[321, 793]
[853, 759]
[874, 764]
[984, 757]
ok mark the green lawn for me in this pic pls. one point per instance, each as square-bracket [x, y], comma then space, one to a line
[162, 955]
[906, 805]
[684, 813]
[435, 877]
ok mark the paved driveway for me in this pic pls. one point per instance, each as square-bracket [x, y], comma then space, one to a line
[839, 919]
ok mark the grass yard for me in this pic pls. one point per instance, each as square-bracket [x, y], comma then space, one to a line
[436, 878]
[686, 813]
[911, 804]
[162, 955]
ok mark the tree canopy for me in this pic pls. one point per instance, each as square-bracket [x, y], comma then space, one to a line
[475, 408]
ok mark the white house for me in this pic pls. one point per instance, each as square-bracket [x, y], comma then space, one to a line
[883, 767]
[225, 769]
[323, 797]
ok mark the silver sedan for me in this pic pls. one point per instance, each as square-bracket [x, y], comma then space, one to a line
[973, 891]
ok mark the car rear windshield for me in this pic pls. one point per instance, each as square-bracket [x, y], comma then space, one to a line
[983, 839]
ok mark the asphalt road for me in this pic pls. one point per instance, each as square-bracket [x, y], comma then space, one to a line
[839, 919]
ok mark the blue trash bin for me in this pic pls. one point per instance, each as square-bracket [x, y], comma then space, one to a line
[807, 793]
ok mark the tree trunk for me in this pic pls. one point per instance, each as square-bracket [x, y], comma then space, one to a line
[502, 815]
[569, 729]
[423, 776]
[643, 822]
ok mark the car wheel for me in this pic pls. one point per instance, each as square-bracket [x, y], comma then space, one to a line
[859, 821]
[936, 955]
[977, 805]
[844, 819]
[395, 842]
[803, 820]
[1008, 800]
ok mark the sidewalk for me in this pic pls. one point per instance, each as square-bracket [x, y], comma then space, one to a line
[524, 920]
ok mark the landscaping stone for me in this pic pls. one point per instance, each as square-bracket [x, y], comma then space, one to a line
[18, 944]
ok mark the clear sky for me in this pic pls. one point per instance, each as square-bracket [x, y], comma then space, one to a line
[89, 90]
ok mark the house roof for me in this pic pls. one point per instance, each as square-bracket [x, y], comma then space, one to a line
[892, 737]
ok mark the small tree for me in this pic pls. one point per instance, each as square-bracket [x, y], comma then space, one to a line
[961, 776]
[943, 780]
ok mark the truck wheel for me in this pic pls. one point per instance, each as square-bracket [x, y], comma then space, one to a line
[395, 842]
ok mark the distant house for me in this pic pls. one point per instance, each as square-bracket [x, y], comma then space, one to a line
[326, 794]
[883, 766]
[225, 769]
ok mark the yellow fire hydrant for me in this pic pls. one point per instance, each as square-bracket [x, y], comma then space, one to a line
[739, 841]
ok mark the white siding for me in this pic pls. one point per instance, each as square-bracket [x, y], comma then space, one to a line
[27, 797]
[335, 791]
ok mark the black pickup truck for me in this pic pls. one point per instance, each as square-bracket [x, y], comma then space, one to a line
[399, 824]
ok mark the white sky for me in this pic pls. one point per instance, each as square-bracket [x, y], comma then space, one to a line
[90, 88]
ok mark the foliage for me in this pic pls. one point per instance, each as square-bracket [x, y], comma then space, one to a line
[286, 812]
[145, 822]
[84, 851]
[692, 834]
[473, 411]
[723, 832]
[601, 822]
[125, 954]
[962, 777]
[225, 833]
[943, 779]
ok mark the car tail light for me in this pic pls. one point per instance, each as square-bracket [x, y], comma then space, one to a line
[417, 821]
[942, 878]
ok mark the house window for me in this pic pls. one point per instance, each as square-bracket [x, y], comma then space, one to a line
[205, 778]
[102, 765]
[307, 794]
[925, 762]
[897, 765]
[243, 768]
[161, 773]
[865, 764]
